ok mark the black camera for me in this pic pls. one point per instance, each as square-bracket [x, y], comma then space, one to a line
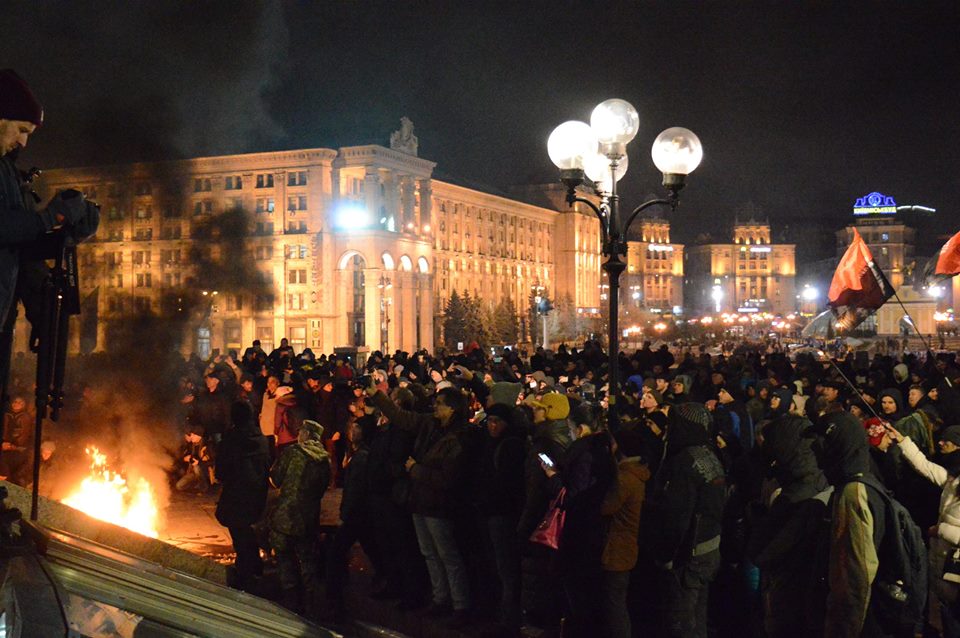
[362, 382]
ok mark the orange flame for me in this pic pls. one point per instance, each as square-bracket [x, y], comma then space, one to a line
[105, 495]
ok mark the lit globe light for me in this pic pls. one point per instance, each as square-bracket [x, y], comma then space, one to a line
[935, 291]
[615, 122]
[570, 143]
[677, 151]
[810, 293]
[597, 168]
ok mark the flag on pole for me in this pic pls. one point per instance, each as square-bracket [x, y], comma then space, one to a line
[948, 261]
[858, 288]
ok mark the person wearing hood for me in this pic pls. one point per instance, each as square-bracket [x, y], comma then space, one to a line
[684, 520]
[303, 474]
[945, 535]
[436, 472]
[680, 389]
[757, 404]
[916, 494]
[895, 412]
[856, 529]
[243, 469]
[732, 421]
[780, 401]
[783, 541]
[622, 508]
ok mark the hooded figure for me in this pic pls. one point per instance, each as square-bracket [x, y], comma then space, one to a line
[302, 474]
[684, 522]
[780, 406]
[857, 527]
[243, 468]
[784, 541]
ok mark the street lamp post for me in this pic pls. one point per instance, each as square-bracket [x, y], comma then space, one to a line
[598, 151]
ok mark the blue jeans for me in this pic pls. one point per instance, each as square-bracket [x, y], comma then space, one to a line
[448, 574]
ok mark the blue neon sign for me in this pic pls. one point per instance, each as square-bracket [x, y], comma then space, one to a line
[875, 204]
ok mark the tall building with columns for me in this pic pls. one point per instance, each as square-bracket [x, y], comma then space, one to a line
[358, 245]
[752, 274]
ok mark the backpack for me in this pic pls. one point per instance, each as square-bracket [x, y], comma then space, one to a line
[899, 591]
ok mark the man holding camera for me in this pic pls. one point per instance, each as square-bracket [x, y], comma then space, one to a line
[23, 228]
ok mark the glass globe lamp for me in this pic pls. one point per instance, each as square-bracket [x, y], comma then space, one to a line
[615, 122]
[597, 168]
[677, 151]
[570, 143]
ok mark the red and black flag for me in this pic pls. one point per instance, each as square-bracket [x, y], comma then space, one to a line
[948, 261]
[859, 287]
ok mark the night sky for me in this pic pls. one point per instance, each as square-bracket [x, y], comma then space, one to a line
[801, 107]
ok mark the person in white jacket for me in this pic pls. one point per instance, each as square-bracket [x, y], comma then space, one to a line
[945, 535]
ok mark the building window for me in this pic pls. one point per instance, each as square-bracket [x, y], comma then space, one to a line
[265, 180]
[264, 253]
[297, 276]
[885, 237]
[297, 179]
[235, 302]
[144, 212]
[264, 228]
[143, 234]
[265, 335]
[233, 183]
[142, 188]
[170, 232]
[295, 301]
[201, 185]
[265, 205]
[144, 280]
[141, 304]
[117, 281]
[171, 212]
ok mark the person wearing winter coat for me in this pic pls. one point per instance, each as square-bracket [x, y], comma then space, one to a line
[498, 482]
[857, 528]
[622, 507]
[435, 471]
[945, 535]
[685, 516]
[243, 468]
[783, 541]
[550, 435]
[303, 474]
[586, 472]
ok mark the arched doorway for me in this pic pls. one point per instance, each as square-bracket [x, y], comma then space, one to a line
[356, 315]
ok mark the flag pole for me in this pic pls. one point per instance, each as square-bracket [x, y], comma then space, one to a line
[912, 322]
[855, 389]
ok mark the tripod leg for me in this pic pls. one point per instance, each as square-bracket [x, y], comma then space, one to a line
[48, 322]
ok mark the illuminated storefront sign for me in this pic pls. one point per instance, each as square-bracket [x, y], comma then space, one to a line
[759, 249]
[875, 204]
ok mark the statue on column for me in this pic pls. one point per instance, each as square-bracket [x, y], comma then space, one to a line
[404, 140]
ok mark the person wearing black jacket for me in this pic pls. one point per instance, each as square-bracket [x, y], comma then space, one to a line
[586, 471]
[498, 482]
[25, 228]
[684, 519]
[243, 468]
[783, 541]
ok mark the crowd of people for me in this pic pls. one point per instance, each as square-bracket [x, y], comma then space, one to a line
[750, 493]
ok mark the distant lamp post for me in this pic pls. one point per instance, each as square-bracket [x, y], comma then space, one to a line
[598, 151]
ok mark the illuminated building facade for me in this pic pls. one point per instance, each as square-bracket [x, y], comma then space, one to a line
[360, 245]
[752, 274]
[654, 277]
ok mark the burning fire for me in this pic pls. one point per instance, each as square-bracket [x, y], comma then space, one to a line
[105, 494]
